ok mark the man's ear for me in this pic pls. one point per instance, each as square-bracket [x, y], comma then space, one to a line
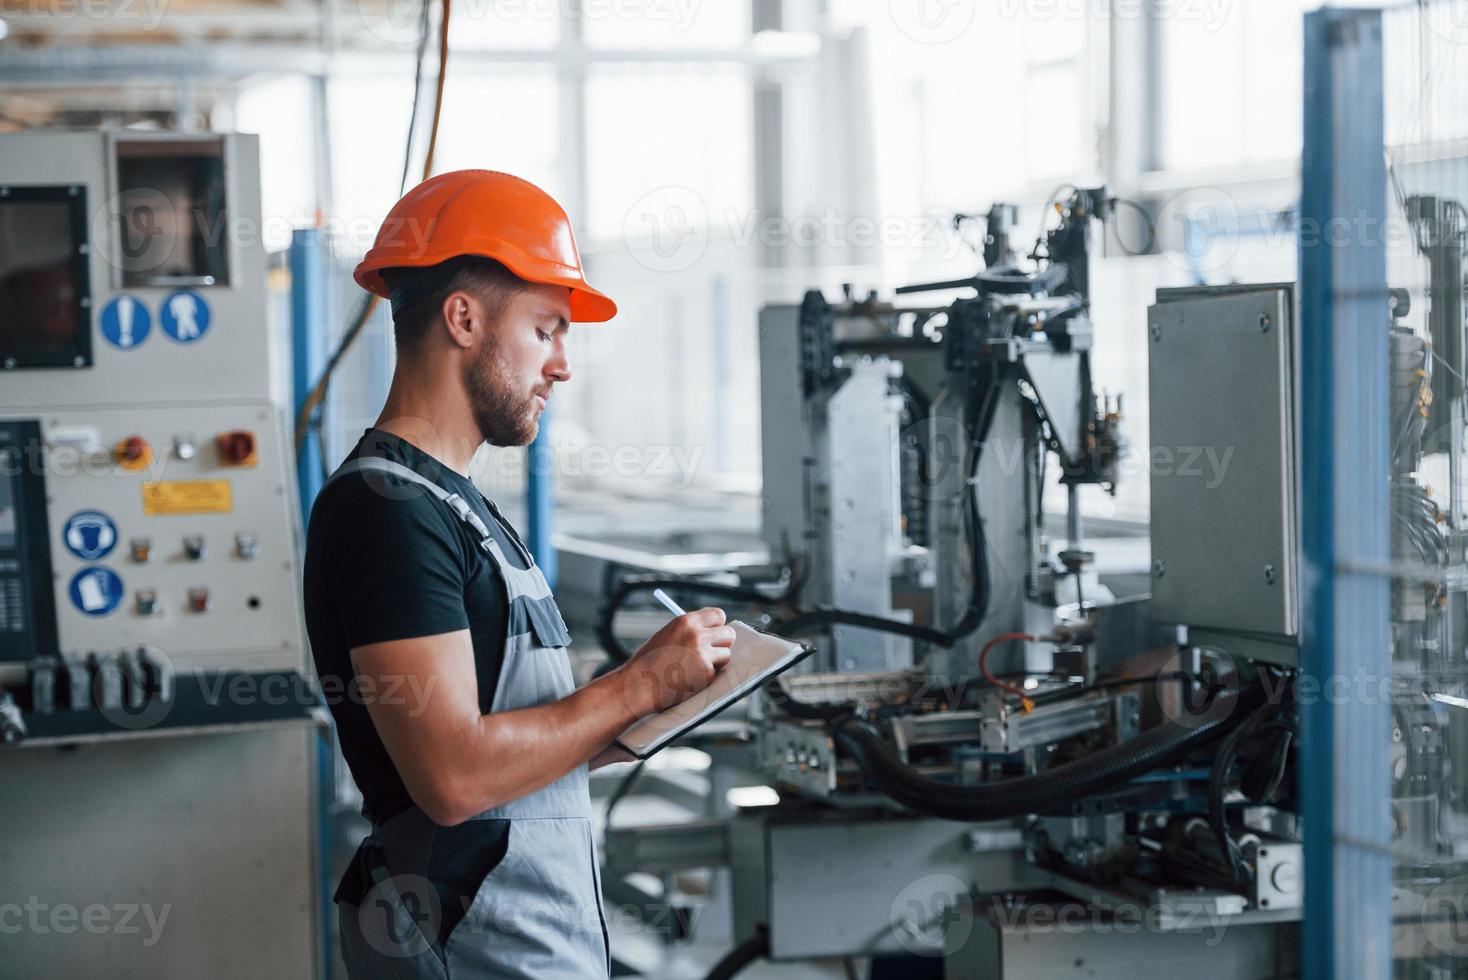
[462, 318]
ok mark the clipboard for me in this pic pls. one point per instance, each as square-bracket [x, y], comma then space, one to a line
[755, 657]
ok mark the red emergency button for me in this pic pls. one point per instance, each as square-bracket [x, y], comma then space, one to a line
[133, 453]
[237, 448]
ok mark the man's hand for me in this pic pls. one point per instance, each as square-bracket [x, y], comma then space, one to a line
[457, 762]
[680, 660]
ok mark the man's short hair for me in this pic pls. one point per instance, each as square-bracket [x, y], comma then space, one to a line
[418, 294]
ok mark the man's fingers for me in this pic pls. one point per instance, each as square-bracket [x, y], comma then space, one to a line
[718, 657]
[708, 616]
[722, 636]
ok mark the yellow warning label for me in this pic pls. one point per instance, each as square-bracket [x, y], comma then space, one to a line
[187, 497]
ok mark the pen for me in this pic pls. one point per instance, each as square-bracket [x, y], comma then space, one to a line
[667, 602]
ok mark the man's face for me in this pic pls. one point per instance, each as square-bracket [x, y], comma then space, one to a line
[509, 380]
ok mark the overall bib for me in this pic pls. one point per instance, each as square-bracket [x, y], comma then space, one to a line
[538, 913]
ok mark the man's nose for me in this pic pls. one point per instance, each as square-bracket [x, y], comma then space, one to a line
[558, 368]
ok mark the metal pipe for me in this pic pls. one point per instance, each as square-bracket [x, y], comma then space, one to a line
[1074, 532]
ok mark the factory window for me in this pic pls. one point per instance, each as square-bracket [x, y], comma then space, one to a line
[1224, 68]
[172, 220]
[632, 152]
[482, 25]
[655, 25]
[502, 120]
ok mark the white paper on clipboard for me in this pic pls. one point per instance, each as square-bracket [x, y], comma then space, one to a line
[755, 657]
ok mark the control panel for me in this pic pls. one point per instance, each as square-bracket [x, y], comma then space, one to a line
[174, 539]
[148, 504]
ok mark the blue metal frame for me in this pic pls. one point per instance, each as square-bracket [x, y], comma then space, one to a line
[1345, 766]
[308, 264]
[309, 258]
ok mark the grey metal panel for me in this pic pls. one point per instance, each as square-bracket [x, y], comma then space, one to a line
[229, 362]
[995, 938]
[212, 834]
[784, 440]
[1224, 544]
[863, 513]
[858, 885]
[1004, 511]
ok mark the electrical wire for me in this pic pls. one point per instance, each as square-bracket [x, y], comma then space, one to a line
[1147, 217]
[1218, 783]
[1050, 202]
[310, 416]
[1024, 699]
[623, 788]
[755, 947]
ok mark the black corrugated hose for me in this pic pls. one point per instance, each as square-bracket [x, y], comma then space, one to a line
[1044, 792]
[753, 948]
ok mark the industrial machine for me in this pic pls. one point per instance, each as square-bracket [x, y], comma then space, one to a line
[993, 749]
[159, 729]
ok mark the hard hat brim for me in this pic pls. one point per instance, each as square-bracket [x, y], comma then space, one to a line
[588, 304]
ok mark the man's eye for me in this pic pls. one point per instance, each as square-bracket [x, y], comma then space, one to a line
[542, 335]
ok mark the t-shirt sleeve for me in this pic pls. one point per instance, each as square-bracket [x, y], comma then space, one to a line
[392, 570]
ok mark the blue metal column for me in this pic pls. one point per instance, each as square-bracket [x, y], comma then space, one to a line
[1345, 767]
[309, 312]
[308, 258]
[539, 499]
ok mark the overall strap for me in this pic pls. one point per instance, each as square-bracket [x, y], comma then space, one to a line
[386, 467]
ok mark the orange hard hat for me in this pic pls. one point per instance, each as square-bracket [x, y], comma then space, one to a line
[483, 212]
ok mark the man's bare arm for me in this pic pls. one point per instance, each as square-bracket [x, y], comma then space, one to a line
[423, 697]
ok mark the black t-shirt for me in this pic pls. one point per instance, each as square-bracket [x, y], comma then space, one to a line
[386, 560]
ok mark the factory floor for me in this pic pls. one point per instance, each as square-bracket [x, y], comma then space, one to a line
[693, 962]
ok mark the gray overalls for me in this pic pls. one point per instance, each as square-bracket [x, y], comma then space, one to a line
[538, 913]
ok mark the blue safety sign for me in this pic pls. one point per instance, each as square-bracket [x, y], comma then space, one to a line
[89, 534]
[184, 316]
[96, 591]
[126, 322]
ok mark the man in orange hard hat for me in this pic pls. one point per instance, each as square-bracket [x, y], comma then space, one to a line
[437, 640]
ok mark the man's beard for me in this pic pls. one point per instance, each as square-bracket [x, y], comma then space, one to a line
[505, 417]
